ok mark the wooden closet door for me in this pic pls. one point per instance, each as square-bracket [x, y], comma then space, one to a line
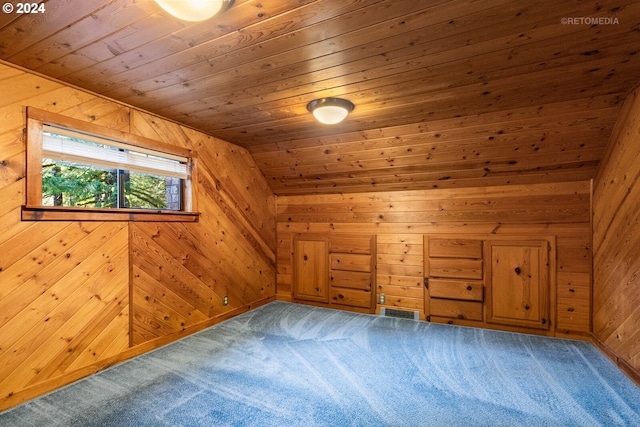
[311, 268]
[518, 283]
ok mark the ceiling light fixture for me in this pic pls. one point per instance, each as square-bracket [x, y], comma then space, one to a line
[194, 10]
[330, 110]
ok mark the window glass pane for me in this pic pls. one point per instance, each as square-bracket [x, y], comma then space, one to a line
[146, 191]
[78, 185]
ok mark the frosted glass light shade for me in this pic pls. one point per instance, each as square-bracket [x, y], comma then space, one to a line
[194, 10]
[330, 110]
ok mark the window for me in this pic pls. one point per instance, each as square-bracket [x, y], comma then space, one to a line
[81, 170]
[78, 170]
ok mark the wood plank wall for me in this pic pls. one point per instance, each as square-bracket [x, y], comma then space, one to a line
[401, 219]
[182, 271]
[78, 296]
[616, 242]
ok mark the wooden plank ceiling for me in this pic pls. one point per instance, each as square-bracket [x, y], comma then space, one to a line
[448, 93]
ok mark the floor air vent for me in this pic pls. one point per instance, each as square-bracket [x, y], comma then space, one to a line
[390, 312]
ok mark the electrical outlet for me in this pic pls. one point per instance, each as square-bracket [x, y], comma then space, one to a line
[225, 300]
[382, 299]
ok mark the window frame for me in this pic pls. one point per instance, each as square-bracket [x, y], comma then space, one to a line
[33, 210]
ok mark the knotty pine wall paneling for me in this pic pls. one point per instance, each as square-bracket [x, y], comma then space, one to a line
[616, 243]
[400, 220]
[400, 271]
[181, 272]
[76, 297]
[64, 286]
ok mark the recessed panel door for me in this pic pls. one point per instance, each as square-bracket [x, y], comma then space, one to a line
[518, 283]
[311, 269]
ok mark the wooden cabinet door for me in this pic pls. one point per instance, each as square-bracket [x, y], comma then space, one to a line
[518, 283]
[311, 268]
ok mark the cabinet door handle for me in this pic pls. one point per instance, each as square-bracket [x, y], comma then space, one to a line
[517, 270]
[469, 288]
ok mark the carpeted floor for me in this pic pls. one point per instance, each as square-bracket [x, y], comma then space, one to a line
[293, 365]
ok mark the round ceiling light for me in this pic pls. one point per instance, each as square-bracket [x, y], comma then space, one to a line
[194, 10]
[330, 110]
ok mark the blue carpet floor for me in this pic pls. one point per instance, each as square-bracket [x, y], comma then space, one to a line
[292, 365]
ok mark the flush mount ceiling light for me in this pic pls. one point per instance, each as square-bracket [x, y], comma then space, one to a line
[194, 10]
[330, 110]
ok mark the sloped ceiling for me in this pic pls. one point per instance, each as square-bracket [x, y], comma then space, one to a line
[453, 93]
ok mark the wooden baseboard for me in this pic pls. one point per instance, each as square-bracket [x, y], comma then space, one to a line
[573, 335]
[284, 297]
[70, 377]
[623, 365]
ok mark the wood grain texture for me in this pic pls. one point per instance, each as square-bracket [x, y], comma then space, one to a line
[616, 242]
[311, 276]
[64, 285]
[328, 272]
[456, 289]
[518, 283]
[76, 297]
[471, 117]
[448, 94]
[400, 272]
[456, 268]
[229, 252]
[401, 219]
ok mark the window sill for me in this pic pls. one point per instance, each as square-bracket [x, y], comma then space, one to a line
[55, 213]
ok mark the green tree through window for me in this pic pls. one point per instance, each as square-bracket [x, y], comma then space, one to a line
[76, 185]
